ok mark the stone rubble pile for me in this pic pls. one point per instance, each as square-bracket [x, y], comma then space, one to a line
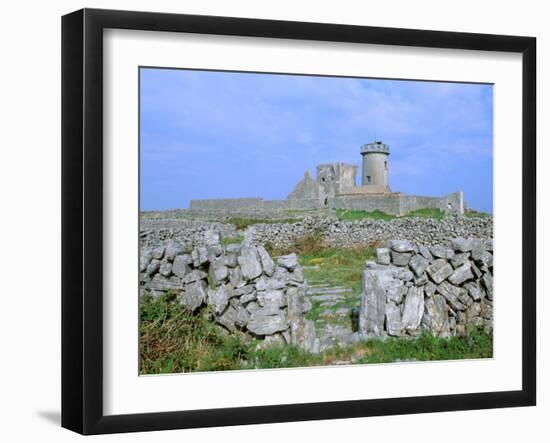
[411, 288]
[247, 291]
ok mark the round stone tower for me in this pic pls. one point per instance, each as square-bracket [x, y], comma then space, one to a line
[375, 165]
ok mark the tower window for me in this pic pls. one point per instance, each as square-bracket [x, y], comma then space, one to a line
[368, 178]
[386, 165]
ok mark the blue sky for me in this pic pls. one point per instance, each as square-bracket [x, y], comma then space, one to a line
[220, 134]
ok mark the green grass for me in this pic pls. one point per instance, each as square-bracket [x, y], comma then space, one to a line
[231, 240]
[434, 213]
[243, 223]
[172, 339]
[427, 347]
[352, 215]
[474, 213]
[337, 267]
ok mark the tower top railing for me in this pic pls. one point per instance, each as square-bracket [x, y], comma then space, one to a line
[377, 147]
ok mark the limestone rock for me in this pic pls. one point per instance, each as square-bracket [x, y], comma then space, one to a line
[200, 256]
[459, 259]
[302, 333]
[252, 306]
[372, 311]
[247, 298]
[429, 289]
[400, 258]
[180, 265]
[488, 283]
[161, 283]
[153, 267]
[230, 260]
[219, 297]
[297, 275]
[451, 293]
[436, 316]
[218, 271]
[275, 298]
[461, 274]
[395, 291]
[474, 290]
[439, 270]
[413, 309]
[173, 249]
[482, 257]
[158, 252]
[261, 325]
[425, 252]
[441, 251]
[466, 245]
[227, 319]
[404, 274]
[295, 300]
[233, 248]
[212, 237]
[241, 317]
[236, 277]
[165, 268]
[194, 276]
[272, 340]
[244, 290]
[383, 256]
[249, 262]
[289, 261]
[464, 298]
[194, 294]
[393, 319]
[418, 264]
[402, 246]
[144, 260]
[422, 280]
[267, 262]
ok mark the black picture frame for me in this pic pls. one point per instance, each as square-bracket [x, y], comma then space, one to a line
[82, 218]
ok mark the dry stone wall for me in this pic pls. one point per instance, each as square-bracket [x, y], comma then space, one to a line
[361, 233]
[246, 290]
[188, 233]
[447, 290]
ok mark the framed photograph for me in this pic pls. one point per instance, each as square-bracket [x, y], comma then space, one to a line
[270, 221]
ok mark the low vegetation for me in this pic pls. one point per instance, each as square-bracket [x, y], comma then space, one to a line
[338, 267]
[356, 214]
[243, 222]
[232, 240]
[173, 340]
[351, 215]
[474, 213]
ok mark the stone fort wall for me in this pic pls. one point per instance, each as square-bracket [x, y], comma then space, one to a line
[391, 203]
[256, 203]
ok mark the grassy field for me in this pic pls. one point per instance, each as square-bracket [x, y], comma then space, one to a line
[174, 340]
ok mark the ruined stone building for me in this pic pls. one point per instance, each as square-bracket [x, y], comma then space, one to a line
[335, 187]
